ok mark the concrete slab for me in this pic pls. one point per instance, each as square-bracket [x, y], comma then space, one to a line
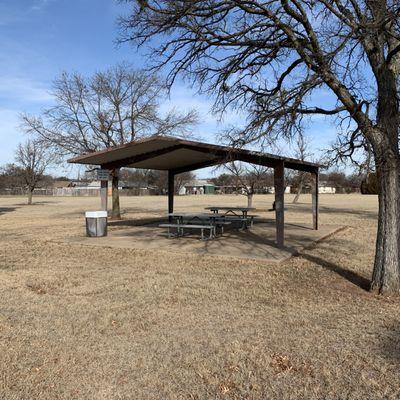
[255, 243]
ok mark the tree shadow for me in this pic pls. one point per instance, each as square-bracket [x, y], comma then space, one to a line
[361, 213]
[299, 226]
[38, 203]
[135, 222]
[306, 208]
[391, 343]
[351, 276]
[4, 210]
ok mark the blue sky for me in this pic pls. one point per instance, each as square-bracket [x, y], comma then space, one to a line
[41, 38]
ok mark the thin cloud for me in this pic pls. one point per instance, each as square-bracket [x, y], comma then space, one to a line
[41, 4]
[10, 134]
[23, 90]
[12, 13]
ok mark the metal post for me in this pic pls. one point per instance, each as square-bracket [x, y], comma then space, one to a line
[104, 195]
[315, 211]
[171, 189]
[279, 203]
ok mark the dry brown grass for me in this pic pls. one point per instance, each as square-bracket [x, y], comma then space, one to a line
[78, 322]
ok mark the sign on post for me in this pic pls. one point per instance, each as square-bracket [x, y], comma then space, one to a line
[102, 174]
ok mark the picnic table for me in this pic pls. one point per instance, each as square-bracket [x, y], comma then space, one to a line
[192, 217]
[209, 221]
[212, 222]
[213, 219]
[231, 210]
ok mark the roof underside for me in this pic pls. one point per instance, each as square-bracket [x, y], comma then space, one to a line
[178, 155]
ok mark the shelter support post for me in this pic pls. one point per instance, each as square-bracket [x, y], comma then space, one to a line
[171, 190]
[279, 203]
[104, 195]
[315, 178]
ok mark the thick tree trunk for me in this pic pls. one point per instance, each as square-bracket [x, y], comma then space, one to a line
[250, 200]
[386, 274]
[30, 195]
[299, 190]
[116, 211]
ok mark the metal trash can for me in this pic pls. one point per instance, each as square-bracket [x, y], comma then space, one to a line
[96, 223]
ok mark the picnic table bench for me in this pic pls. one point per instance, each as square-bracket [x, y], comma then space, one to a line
[211, 219]
[181, 227]
[239, 214]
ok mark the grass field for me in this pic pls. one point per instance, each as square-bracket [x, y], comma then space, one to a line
[81, 322]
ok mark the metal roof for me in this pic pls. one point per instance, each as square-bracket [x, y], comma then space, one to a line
[180, 155]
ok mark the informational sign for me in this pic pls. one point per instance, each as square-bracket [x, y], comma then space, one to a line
[102, 174]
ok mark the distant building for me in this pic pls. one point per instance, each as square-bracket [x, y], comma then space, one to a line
[271, 190]
[324, 188]
[60, 184]
[198, 186]
[226, 189]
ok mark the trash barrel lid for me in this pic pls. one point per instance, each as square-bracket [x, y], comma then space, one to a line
[96, 214]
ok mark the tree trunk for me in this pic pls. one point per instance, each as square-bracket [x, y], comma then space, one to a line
[386, 274]
[299, 190]
[30, 195]
[250, 200]
[116, 211]
[385, 143]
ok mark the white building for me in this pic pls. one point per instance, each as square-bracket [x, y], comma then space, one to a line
[326, 189]
[197, 186]
[271, 189]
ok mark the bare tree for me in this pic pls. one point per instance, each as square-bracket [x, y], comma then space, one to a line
[159, 179]
[271, 57]
[182, 179]
[108, 109]
[302, 152]
[11, 177]
[248, 178]
[33, 159]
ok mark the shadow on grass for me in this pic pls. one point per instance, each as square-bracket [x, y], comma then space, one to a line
[135, 222]
[4, 210]
[347, 274]
[38, 203]
[351, 211]
[391, 343]
[306, 208]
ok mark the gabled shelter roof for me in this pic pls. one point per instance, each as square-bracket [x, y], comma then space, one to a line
[180, 155]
